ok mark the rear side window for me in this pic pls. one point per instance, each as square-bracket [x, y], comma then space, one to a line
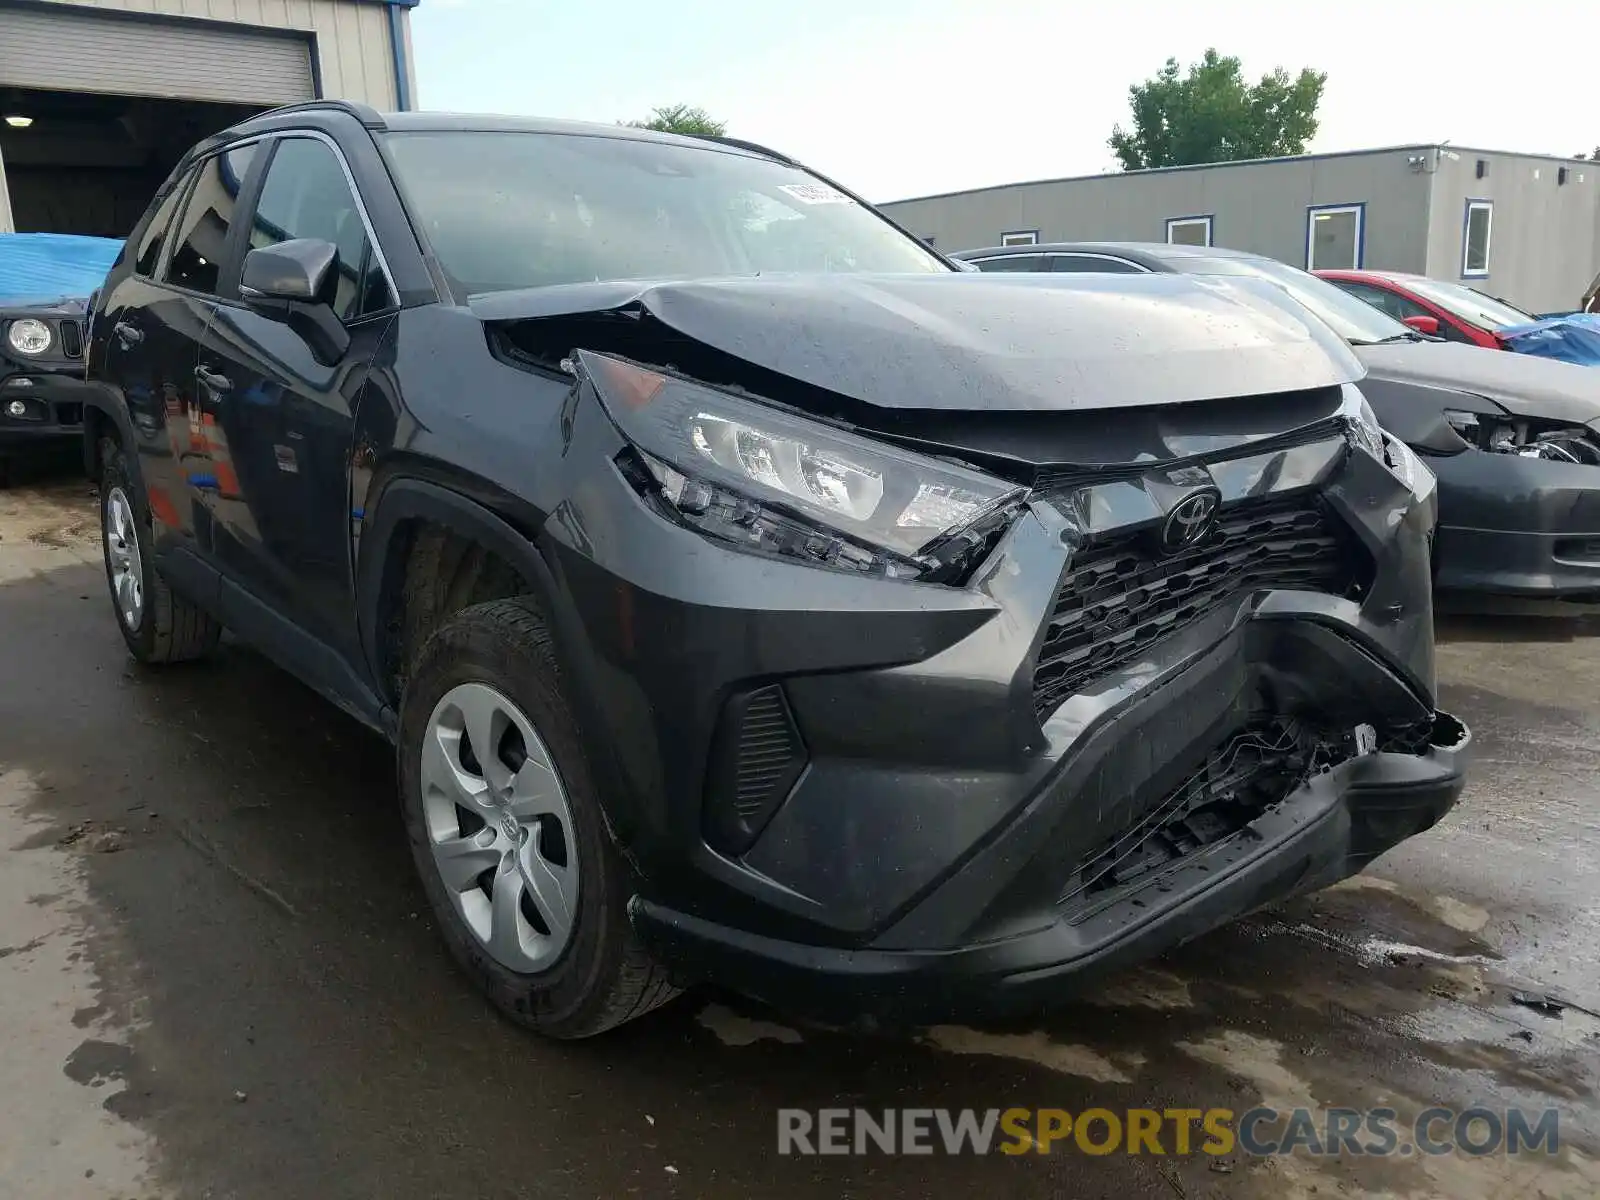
[155, 236]
[307, 195]
[1011, 262]
[1092, 263]
[201, 236]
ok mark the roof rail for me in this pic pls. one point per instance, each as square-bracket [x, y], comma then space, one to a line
[741, 144]
[365, 113]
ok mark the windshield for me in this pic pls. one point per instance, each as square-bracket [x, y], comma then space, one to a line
[1354, 320]
[518, 210]
[1469, 304]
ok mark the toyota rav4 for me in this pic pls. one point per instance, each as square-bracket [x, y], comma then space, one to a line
[752, 595]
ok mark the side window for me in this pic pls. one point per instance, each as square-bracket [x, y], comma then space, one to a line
[155, 234]
[1381, 299]
[307, 195]
[1011, 262]
[201, 236]
[1085, 262]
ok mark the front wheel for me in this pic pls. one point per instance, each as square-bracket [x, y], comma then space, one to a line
[158, 625]
[507, 833]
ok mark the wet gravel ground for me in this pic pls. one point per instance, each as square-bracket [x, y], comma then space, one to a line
[217, 977]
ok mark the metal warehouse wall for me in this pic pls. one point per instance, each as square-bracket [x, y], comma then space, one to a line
[1544, 243]
[354, 48]
[1258, 206]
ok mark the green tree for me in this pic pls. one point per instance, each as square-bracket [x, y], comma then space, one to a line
[682, 118]
[1210, 114]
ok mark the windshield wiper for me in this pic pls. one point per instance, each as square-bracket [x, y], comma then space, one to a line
[1408, 336]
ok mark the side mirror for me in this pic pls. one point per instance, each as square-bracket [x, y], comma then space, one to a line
[1428, 325]
[289, 271]
[290, 281]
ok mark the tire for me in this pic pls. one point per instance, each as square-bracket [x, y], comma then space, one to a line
[599, 977]
[165, 628]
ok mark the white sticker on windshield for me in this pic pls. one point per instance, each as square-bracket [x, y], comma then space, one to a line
[815, 193]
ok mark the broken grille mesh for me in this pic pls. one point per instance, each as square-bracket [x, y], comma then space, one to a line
[1119, 596]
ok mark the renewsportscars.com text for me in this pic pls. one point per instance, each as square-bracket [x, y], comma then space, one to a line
[1379, 1132]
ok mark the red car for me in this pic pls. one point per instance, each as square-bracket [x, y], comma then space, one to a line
[1453, 311]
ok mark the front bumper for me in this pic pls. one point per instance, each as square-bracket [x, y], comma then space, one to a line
[1325, 830]
[1515, 526]
[54, 403]
[921, 851]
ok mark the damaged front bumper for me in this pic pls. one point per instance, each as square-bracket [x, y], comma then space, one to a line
[1323, 830]
[1516, 526]
[852, 794]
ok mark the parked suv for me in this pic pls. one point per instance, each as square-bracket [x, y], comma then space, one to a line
[750, 594]
[44, 279]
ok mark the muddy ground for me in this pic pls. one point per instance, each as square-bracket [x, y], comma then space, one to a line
[217, 977]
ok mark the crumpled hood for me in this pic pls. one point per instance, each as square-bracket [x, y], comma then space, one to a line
[1523, 385]
[963, 341]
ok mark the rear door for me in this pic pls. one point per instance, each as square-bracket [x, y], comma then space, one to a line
[284, 416]
[147, 344]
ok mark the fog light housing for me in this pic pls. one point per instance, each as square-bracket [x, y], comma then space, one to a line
[16, 409]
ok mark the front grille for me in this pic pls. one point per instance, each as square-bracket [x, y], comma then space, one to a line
[71, 339]
[1120, 595]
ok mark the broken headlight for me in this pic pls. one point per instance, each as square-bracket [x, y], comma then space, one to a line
[1525, 437]
[1387, 449]
[770, 481]
[1361, 421]
[1407, 467]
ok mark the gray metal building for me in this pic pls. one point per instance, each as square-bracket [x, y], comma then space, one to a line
[99, 98]
[1525, 227]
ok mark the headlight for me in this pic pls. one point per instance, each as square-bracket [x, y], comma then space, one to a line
[1363, 422]
[29, 336]
[771, 481]
[1407, 467]
[1526, 437]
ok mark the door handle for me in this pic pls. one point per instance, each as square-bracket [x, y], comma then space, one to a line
[220, 385]
[129, 335]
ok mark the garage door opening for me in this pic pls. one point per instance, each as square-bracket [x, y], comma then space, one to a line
[83, 163]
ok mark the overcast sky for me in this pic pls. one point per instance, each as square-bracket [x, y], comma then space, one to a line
[899, 98]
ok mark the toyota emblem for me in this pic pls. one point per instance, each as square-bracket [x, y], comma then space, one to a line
[1191, 522]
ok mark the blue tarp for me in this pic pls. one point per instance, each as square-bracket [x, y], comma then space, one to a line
[53, 266]
[1574, 338]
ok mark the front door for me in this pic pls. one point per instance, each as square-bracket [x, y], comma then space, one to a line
[283, 416]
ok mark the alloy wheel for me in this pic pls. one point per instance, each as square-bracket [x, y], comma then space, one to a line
[122, 551]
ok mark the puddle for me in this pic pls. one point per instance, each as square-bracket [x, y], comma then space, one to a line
[1036, 1048]
[62, 1095]
[1256, 1060]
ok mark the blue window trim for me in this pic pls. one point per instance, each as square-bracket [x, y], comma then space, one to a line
[1359, 207]
[1209, 218]
[1488, 245]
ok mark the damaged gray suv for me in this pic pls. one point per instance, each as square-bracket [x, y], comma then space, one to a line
[750, 594]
